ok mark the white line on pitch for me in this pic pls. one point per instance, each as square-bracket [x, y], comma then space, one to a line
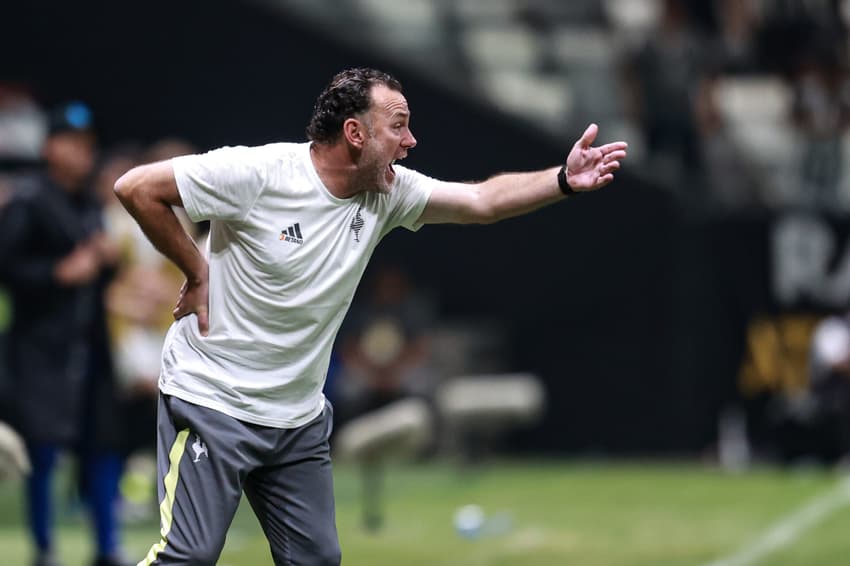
[790, 528]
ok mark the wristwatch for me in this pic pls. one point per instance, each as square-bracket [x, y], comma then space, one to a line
[563, 184]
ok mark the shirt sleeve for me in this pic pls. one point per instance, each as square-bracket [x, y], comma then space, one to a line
[222, 184]
[409, 197]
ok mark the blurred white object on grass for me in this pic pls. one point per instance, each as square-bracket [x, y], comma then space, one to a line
[14, 461]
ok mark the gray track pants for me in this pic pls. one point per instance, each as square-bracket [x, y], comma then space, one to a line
[205, 461]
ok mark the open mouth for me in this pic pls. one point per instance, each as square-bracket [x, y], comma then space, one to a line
[390, 174]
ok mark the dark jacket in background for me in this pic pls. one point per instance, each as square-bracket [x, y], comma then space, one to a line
[49, 342]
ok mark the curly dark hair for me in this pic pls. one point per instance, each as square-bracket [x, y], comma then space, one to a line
[347, 95]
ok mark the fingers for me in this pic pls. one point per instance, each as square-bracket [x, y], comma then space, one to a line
[606, 174]
[193, 300]
[203, 323]
[609, 167]
[614, 156]
[183, 308]
[588, 136]
[203, 318]
[613, 146]
[604, 180]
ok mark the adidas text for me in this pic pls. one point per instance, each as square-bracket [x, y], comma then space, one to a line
[293, 239]
[292, 234]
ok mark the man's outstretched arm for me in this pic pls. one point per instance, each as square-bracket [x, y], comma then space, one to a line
[148, 192]
[512, 194]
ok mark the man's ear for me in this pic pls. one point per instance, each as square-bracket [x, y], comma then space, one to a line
[355, 132]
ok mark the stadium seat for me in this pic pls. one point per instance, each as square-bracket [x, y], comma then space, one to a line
[475, 410]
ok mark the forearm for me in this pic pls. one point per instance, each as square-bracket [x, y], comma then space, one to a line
[148, 197]
[163, 229]
[514, 194]
[587, 168]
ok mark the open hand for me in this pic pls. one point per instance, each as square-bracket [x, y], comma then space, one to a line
[590, 168]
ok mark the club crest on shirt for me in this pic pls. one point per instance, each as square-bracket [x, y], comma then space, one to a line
[292, 234]
[357, 224]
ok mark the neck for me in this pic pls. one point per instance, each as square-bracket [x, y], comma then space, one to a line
[337, 167]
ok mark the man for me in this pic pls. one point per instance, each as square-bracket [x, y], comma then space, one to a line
[54, 260]
[292, 228]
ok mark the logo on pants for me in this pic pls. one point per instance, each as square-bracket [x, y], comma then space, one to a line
[200, 449]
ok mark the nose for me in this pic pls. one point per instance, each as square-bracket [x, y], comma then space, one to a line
[409, 142]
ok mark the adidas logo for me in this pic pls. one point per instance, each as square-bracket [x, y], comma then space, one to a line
[292, 234]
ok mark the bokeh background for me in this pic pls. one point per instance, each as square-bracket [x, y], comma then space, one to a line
[668, 317]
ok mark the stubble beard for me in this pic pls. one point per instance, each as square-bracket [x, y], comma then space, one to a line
[373, 171]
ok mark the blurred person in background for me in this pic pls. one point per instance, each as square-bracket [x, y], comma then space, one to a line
[830, 388]
[134, 299]
[293, 226]
[735, 45]
[14, 461]
[22, 124]
[385, 346]
[661, 77]
[821, 115]
[167, 148]
[141, 297]
[55, 261]
[139, 301]
[384, 356]
[730, 180]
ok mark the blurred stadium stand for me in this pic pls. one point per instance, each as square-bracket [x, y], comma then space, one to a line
[545, 62]
[638, 305]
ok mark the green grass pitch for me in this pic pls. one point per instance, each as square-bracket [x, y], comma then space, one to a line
[561, 513]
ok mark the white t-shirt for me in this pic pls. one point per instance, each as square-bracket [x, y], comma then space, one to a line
[285, 257]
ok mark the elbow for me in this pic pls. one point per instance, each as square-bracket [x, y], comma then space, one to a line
[127, 187]
[147, 186]
[123, 186]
